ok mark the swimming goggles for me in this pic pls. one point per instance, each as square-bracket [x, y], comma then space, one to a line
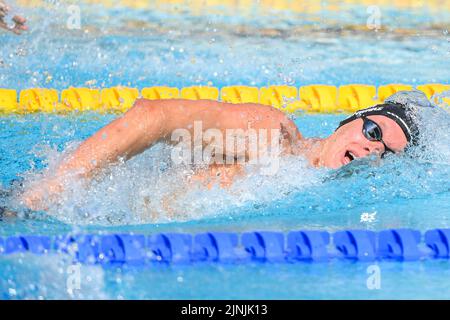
[372, 131]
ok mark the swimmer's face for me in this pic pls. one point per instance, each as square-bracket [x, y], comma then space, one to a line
[349, 142]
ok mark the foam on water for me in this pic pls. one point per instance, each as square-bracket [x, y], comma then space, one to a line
[148, 188]
[23, 276]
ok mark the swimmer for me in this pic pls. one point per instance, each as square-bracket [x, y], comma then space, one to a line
[386, 128]
[19, 22]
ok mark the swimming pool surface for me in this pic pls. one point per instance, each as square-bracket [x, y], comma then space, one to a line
[141, 48]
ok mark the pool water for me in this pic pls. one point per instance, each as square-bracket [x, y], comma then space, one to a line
[181, 50]
[401, 192]
[120, 46]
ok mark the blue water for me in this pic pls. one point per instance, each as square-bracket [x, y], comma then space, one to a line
[149, 47]
[403, 192]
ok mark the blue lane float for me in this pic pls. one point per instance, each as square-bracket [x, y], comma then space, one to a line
[439, 242]
[32, 244]
[308, 245]
[217, 247]
[356, 244]
[170, 247]
[264, 246]
[229, 247]
[401, 244]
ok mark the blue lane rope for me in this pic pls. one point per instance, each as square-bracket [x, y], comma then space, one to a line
[229, 247]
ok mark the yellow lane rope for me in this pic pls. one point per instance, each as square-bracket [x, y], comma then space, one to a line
[311, 98]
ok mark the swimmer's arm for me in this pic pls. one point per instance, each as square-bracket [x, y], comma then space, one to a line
[123, 138]
[146, 123]
[150, 121]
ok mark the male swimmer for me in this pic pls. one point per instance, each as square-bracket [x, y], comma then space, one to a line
[19, 22]
[386, 128]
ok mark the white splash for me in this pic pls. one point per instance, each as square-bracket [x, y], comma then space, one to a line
[148, 189]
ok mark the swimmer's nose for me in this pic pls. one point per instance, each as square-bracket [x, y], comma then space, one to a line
[375, 147]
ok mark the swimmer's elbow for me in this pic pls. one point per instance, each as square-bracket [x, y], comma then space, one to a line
[148, 109]
[149, 115]
[144, 109]
[145, 104]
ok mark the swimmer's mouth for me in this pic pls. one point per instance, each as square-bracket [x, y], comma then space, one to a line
[349, 157]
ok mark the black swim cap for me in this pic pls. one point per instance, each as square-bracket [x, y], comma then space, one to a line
[395, 111]
[403, 107]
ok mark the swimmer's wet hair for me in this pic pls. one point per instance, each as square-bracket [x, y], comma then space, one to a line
[402, 107]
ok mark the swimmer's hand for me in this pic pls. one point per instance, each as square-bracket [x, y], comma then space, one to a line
[40, 196]
[5, 213]
[19, 22]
